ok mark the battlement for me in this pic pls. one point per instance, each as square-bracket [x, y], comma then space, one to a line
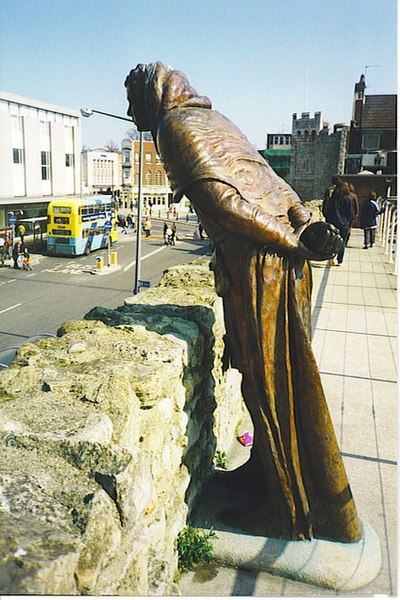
[307, 124]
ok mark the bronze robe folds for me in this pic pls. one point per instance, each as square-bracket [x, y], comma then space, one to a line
[254, 220]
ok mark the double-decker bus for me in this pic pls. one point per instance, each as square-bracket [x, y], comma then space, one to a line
[77, 227]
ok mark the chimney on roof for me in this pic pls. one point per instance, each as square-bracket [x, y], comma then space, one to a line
[359, 88]
[358, 101]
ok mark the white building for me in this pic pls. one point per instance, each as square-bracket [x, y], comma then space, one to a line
[101, 171]
[40, 147]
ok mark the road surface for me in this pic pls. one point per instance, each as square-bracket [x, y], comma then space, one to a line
[60, 289]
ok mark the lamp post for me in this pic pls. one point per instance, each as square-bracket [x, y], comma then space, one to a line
[88, 112]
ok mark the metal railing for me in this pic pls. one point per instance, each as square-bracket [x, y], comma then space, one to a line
[387, 231]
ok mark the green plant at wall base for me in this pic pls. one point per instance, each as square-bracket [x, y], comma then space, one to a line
[221, 459]
[194, 547]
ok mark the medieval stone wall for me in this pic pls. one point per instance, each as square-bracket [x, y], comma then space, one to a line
[107, 434]
[317, 154]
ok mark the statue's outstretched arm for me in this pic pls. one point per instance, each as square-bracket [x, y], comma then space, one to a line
[223, 205]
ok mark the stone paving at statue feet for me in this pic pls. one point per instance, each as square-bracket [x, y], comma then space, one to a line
[355, 344]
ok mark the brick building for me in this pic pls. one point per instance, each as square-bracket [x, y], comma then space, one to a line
[155, 187]
[371, 162]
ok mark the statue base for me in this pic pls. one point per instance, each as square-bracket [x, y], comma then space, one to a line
[317, 562]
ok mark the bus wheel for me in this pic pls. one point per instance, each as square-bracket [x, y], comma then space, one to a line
[87, 249]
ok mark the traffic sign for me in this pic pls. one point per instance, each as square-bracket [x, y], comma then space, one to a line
[144, 284]
[12, 219]
[107, 226]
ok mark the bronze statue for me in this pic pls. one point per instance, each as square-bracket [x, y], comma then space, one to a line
[261, 238]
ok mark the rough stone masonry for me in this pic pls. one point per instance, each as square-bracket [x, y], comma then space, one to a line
[107, 434]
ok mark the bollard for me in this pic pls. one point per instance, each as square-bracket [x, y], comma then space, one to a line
[114, 258]
[392, 237]
[100, 263]
[389, 224]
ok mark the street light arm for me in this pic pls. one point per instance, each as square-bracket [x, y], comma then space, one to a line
[87, 112]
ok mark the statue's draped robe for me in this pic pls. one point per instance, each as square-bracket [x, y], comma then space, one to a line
[267, 303]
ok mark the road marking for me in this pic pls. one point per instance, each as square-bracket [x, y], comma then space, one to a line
[144, 257]
[73, 268]
[10, 308]
[11, 280]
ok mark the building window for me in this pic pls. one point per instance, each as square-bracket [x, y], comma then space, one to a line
[371, 141]
[149, 177]
[18, 156]
[16, 123]
[45, 128]
[149, 158]
[158, 178]
[45, 162]
[158, 160]
[69, 160]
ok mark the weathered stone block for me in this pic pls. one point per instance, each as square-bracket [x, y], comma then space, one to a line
[107, 434]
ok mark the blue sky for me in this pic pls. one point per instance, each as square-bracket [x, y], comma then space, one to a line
[259, 61]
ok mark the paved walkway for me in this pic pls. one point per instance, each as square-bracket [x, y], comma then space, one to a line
[355, 344]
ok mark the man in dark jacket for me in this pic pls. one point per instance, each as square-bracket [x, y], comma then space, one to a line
[340, 213]
[328, 193]
[370, 210]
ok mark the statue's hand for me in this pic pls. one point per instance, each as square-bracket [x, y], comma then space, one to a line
[320, 241]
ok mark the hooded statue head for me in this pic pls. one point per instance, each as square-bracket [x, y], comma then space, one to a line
[156, 88]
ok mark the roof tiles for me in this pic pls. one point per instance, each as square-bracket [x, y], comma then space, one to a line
[380, 111]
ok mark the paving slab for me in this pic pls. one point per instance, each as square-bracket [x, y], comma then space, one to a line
[355, 344]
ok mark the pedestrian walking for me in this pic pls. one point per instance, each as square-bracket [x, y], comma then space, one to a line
[340, 213]
[21, 231]
[147, 227]
[3, 250]
[168, 235]
[356, 206]
[26, 260]
[369, 211]
[328, 193]
[196, 233]
[123, 225]
[8, 246]
[165, 227]
[17, 254]
[173, 234]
